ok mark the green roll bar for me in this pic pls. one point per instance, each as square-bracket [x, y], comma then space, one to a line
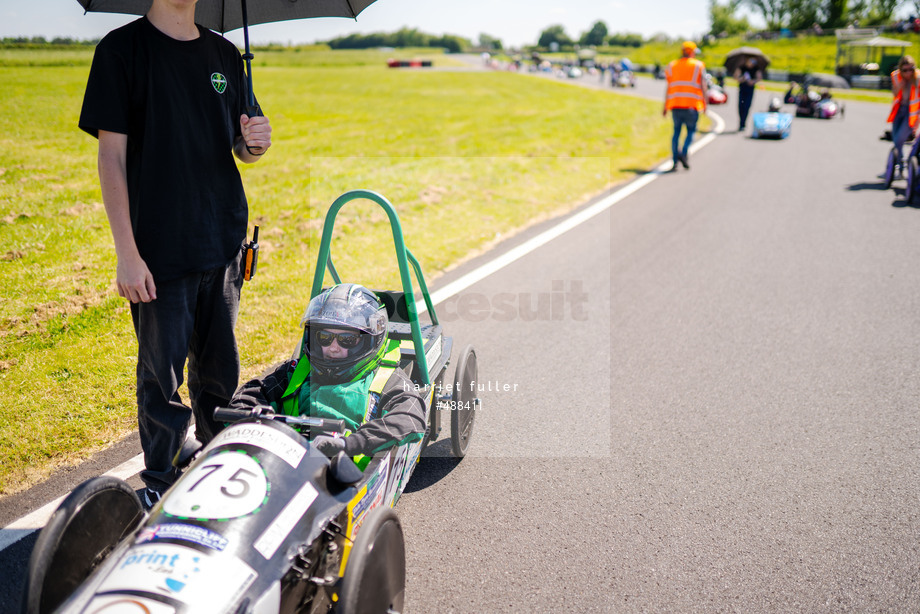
[403, 257]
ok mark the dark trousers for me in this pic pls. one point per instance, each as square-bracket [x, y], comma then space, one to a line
[745, 98]
[683, 117]
[900, 130]
[192, 317]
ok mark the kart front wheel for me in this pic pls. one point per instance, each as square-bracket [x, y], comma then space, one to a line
[464, 402]
[375, 575]
[87, 526]
[889, 169]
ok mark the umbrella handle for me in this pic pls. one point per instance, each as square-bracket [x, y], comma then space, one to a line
[253, 111]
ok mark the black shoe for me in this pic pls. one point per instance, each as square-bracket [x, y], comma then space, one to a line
[149, 498]
[683, 160]
[673, 168]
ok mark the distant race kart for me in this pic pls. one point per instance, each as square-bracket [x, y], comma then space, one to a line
[771, 124]
[261, 521]
[626, 78]
[809, 103]
[716, 95]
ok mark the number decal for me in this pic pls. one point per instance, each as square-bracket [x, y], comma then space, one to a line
[213, 468]
[244, 485]
[231, 485]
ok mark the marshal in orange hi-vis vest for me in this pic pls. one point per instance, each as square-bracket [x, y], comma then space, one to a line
[685, 84]
[913, 105]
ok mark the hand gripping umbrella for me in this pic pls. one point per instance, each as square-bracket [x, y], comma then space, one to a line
[226, 15]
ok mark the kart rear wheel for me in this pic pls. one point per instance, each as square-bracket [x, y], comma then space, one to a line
[912, 179]
[375, 575]
[889, 169]
[87, 526]
[464, 402]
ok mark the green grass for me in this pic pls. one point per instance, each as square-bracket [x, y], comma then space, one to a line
[466, 158]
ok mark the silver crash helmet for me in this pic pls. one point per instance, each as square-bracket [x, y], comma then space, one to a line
[347, 307]
[775, 105]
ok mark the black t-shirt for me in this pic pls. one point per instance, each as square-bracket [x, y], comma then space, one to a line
[180, 103]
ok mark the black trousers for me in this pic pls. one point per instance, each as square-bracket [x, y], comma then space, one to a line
[192, 318]
[745, 98]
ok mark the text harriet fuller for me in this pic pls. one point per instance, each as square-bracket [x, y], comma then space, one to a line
[474, 386]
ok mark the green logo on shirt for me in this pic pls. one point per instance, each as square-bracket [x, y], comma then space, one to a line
[219, 82]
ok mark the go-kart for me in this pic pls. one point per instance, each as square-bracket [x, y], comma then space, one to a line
[625, 78]
[716, 95]
[260, 521]
[809, 103]
[773, 123]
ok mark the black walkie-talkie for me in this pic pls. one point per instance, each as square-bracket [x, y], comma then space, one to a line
[251, 256]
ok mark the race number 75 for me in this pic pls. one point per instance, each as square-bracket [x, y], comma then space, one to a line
[231, 484]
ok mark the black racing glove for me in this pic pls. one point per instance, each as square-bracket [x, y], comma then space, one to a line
[330, 446]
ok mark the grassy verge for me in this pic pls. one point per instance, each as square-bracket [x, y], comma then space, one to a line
[466, 158]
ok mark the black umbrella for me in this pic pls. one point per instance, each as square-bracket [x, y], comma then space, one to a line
[818, 79]
[226, 15]
[740, 56]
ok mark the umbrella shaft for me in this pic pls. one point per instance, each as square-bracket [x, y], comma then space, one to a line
[247, 56]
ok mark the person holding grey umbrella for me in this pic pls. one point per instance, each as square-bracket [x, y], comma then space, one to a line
[747, 75]
[167, 100]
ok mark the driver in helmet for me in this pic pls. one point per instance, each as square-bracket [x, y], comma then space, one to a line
[347, 370]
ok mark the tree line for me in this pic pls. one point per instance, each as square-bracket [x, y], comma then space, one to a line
[41, 41]
[816, 15]
[405, 37]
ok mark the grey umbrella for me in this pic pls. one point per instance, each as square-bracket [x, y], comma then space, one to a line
[741, 55]
[226, 15]
[818, 79]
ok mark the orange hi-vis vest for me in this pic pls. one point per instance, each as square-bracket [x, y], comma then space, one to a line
[913, 105]
[685, 84]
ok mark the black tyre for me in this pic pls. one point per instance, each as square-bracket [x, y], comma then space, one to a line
[87, 526]
[375, 576]
[889, 169]
[464, 402]
[912, 179]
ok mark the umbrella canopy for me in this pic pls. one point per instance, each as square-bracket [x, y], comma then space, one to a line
[740, 56]
[226, 15]
[823, 80]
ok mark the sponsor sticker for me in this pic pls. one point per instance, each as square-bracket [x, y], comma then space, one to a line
[396, 479]
[181, 573]
[263, 437]
[273, 536]
[371, 496]
[186, 532]
[434, 352]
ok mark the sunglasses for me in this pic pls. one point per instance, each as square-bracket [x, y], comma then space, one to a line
[346, 340]
[908, 68]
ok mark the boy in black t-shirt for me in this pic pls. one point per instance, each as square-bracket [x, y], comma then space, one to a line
[166, 99]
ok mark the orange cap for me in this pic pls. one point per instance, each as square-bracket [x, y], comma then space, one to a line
[688, 46]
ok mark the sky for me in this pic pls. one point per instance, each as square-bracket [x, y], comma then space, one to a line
[514, 22]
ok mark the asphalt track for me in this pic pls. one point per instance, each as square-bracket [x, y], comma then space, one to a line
[703, 398]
